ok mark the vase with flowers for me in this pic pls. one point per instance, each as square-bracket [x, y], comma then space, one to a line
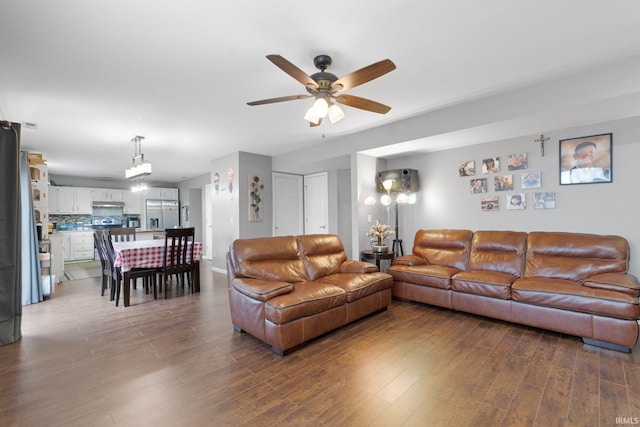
[377, 233]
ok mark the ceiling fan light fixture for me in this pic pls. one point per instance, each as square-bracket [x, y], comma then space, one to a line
[321, 107]
[311, 116]
[335, 113]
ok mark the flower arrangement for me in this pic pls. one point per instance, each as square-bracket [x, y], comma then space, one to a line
[378, 232]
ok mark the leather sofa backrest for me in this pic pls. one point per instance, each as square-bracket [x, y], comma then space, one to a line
[322, 254]
[268, 258]
[449, 248]
[502, 251]
[575, 256]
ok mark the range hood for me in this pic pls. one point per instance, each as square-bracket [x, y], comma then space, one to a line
[108, 204]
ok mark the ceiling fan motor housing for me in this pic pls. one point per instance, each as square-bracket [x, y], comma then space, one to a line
[322, 62]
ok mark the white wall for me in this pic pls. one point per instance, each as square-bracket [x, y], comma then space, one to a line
[609, 208]
[225, 208]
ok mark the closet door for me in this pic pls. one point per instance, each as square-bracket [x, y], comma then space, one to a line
[316, 203]
[288, 218]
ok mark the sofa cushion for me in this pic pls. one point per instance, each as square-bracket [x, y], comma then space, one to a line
[268, 258]
[570, 295]
[493, 284]
[306, 299]
[435, 276]
[574, 256]
[357, 285]
[449, 248]
[261, 290]
[501, 251]
[322, 254]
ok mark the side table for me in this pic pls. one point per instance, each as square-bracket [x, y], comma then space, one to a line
[368, 254]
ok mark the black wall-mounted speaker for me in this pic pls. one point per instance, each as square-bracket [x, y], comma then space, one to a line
[404, 180]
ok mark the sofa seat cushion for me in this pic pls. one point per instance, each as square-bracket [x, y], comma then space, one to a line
[435, 276]
[493, 284]
[261, 290]
[570, 295]
[358, 285]
[306, 299]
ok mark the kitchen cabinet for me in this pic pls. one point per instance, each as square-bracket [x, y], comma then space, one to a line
[70, 200]
[133, 203]
[66, 246]
[162, 193]
[82, 246]
[108, 195]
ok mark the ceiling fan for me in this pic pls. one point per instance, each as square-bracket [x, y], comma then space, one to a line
[325, 87]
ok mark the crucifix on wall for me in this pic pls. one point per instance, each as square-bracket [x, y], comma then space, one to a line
[542, 140]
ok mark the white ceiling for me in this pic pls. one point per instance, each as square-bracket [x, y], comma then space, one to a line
[94, 74]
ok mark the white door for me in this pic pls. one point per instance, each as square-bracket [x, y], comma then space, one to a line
[288, 218]
[207, 236]
[316, 203]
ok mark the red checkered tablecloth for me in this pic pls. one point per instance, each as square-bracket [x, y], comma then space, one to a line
[144, 254]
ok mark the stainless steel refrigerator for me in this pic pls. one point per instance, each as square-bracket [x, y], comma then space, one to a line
[162, 214]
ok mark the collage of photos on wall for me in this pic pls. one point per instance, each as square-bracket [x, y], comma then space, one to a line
[499, 178]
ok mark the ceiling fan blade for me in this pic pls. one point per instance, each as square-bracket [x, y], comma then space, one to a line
[363, 103]
[280, 99]
[364, 75]
[293, 71]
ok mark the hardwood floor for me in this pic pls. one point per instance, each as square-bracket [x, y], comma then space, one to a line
[177, 362]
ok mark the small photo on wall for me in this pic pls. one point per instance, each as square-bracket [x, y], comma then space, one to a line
[530, 180]
[467, 168]
[503, 183]
[489, 203]
[545, 200]
[516, 201]
[478, 185]
[491, 165]
[517, 161]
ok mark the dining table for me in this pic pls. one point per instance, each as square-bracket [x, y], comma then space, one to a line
[148, 254]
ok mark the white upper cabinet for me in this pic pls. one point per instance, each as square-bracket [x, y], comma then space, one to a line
[162, 193]
[108, 195]
[70, 200]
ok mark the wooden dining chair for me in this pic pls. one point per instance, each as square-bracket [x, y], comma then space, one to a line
[113, 273]
[148, 275]
[98, 239]
[178, 257]
[122, 234]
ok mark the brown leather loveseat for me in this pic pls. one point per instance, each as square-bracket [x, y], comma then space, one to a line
[573, 283]
[288, 290]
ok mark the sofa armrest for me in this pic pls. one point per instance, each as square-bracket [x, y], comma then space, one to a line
[353, 266]
[620, 282]
[409, 260]
[261, 290]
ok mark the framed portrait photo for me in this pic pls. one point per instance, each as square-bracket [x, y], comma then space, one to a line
[516, 162]
[489, 203]
[586, 160]
[491, 165]
[530, 180]
[467, 168]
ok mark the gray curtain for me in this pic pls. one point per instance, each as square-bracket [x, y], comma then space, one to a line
[31, 273]
[10, 232]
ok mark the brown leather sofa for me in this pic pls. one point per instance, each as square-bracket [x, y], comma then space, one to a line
[288, 290]
[573, 283]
